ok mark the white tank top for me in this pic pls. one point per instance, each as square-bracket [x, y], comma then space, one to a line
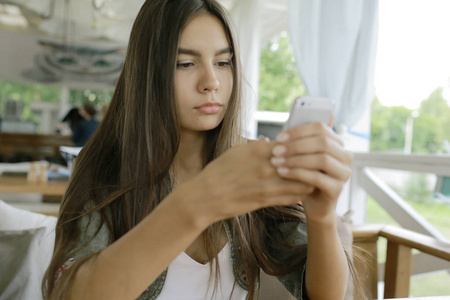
[188, 279]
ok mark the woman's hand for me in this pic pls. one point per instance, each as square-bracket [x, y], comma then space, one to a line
[239, 181]
[313, 154]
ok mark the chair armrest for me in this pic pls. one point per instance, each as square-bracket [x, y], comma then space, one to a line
[405, 237]
[398, 255]
[414, 240]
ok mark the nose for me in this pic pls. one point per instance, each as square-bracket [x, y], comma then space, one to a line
[209, 81]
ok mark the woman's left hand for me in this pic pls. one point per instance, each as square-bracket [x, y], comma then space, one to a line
[313, 154]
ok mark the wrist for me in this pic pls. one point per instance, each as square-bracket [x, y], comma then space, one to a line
[183, 203]
[326, 220]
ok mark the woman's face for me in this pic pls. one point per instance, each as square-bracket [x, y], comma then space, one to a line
[203, 77]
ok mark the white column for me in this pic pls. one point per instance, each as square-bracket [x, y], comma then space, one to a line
[64, 105]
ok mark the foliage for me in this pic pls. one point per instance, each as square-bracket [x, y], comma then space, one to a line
[435, 112]
[279, 82]
[388, 125]
[96, 97]
[435, 105]
[28, 93]
[427, 134]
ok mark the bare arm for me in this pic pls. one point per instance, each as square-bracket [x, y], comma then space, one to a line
[326, 264]
[314, 155]
[239, 181]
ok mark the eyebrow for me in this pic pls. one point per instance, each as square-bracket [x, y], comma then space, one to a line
[196, 53]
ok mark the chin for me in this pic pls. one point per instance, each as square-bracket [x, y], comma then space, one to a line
[201, 127]
[208, 128]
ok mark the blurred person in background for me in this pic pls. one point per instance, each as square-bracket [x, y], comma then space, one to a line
[85, 127]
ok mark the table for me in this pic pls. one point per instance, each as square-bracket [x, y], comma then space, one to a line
[52, 192]
[18, 184]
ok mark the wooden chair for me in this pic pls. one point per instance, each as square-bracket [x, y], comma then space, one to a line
[398, 261]
[398, 256]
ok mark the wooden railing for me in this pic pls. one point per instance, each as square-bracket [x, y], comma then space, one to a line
[365, 181]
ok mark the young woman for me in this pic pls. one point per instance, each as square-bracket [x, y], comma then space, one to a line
[167, 201]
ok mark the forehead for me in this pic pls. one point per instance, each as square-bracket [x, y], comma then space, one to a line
[203, 31]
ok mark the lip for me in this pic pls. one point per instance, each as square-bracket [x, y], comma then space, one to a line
[209, 107]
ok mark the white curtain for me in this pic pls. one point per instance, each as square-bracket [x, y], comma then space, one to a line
[335, 45]
[247, 17]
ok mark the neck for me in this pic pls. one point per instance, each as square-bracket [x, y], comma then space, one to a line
[188, 161]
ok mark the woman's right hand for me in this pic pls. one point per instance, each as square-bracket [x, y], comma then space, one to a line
[239, 181]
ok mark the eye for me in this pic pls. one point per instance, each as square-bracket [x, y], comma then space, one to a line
[185, 65]
[223, 64]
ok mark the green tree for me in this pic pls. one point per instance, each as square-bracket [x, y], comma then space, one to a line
[388, 127]
[427, 134]
[27, 93]
[431, 128]
[96, 97]
[279, 81]
[435, 105]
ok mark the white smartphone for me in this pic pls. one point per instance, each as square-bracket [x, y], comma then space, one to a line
[309, 109]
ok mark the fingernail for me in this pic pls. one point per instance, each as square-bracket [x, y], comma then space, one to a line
[276, 161]
[283, 137]
[278, 150]
[282, 170]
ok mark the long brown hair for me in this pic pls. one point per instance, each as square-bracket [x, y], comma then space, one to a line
[123, 171]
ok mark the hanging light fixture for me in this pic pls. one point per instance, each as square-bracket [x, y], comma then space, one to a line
[44, 9]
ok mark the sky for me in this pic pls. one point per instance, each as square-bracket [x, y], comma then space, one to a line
[413, 54]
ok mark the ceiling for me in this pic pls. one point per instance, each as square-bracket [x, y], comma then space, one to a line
[39, 32]
[103, 20]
